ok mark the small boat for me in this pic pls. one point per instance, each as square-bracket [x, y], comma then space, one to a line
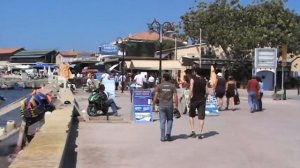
[10, 81]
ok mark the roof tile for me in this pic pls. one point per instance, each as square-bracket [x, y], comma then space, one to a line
[9, 50]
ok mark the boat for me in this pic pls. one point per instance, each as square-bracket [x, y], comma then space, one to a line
[11, 81]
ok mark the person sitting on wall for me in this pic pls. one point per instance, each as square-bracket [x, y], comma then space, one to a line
[32, 110]
[108, 102]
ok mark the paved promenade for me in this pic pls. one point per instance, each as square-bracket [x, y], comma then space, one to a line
[234, 139]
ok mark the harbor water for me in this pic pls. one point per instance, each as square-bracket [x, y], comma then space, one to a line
[7, 146]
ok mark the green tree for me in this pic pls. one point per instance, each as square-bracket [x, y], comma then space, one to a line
[239, 29]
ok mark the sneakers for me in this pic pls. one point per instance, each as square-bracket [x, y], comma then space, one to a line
[200, 136]
[193, 134]
[168, 137]
[118, 108]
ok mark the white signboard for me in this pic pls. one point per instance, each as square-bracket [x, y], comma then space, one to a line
[265, 58]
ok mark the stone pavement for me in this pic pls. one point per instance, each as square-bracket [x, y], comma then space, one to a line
[234, 139]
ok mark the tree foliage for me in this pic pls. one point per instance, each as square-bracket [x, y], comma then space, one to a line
[239, 29]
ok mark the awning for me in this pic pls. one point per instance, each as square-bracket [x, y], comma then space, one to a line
[154, 64]
[128, 64]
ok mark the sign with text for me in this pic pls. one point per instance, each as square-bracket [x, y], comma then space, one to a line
[211, 106]
[142, 107]
[108, 49]
[265, 58]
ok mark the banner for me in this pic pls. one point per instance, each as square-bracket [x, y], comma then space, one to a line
[108, 49]
[142, 107]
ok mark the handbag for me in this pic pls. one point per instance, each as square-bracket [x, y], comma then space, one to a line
[176, 113]
[236, 98]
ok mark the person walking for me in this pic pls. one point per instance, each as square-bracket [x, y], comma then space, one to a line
[116, 77]
[185, 93]
[253, 92]
[220, 89]
[139, 80]
[167, 93]
[197, 101]
[261, 93]
[230, 93]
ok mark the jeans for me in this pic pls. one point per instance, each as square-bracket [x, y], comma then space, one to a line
[166, 120]
[111, 103]
[259, 102]
[252, 100]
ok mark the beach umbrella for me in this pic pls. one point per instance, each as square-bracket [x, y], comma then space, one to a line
[213, 76]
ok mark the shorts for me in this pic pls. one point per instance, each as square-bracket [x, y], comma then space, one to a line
[200, 106]
[220, 94]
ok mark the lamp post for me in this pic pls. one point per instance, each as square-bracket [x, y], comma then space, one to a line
[200, 56]
[120, 43]
[160, 28]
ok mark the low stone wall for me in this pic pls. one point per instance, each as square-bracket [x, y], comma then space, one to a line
[48, 146]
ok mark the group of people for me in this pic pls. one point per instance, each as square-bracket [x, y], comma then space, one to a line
[166, 92]
[225, 88]
[255, 93]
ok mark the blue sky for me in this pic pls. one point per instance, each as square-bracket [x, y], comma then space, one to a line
[84, 24]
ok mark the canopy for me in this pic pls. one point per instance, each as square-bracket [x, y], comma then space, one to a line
[154, 64]
[42, 65]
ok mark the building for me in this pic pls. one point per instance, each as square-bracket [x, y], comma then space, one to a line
[6, 53]
[65, 56]
[33, 56]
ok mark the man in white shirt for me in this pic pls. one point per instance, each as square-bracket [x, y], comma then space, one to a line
[151, 81]
[122, 78]
[139, 80]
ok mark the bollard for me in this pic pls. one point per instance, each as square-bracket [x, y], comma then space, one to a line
[2, 130]
[10, 125]
[47, 115]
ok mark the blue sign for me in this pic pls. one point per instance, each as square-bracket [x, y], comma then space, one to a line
[108, 49]
[142, 107]
[211, 106]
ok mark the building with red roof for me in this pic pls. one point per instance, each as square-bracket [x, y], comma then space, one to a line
[6, 53]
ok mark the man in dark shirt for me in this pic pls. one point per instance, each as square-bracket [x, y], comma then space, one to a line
[167, 93]
[197, 101]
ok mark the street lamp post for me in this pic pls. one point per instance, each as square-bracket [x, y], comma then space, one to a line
[160, 28]
[120, 43]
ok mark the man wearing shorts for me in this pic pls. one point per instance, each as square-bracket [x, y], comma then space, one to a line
[197, 101]
[220, 89]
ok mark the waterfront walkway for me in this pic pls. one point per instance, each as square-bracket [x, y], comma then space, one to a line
[234, 139]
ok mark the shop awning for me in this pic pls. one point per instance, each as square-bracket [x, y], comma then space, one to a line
[154, 64]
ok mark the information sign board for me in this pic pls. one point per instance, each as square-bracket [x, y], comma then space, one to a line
[142, 107]
[265, 58]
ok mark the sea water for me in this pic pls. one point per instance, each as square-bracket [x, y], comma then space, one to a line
[7, 146]
[11, 96]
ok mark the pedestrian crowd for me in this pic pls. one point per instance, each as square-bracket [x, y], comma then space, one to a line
[196, 89]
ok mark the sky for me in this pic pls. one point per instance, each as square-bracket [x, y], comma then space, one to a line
[84, 25]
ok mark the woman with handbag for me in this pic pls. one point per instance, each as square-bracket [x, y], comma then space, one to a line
[230, 93]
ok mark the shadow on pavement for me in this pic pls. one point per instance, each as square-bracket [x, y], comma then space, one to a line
[69, 160]
[180, 136]
[209, 134]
